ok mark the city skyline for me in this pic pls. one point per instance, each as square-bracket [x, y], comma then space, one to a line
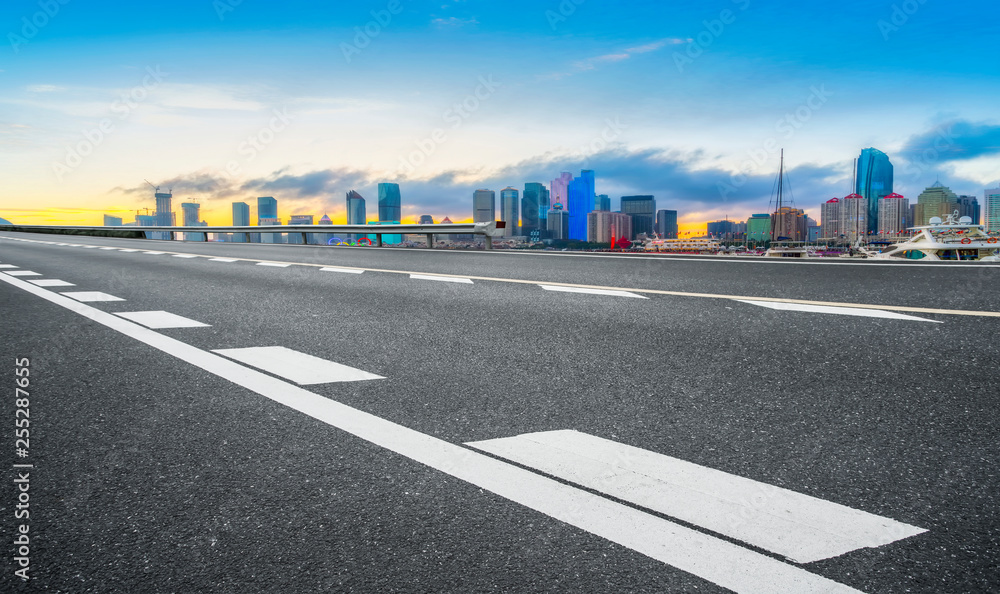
[688, 104]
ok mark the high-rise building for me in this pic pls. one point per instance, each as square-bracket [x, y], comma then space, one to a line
[509, 211]
[602, 202]
[935, 201]
[789, 224]
[580, 193]
[270, 237]
[534, 207]
[559, 190]
[241, 214]
[724, 229]
[164, 214]
[301, 220]
[356, 213]
[829, 216]
[267, 208]
[602, 225]
[145, 220]
[426, 220]
[968, 206]
[557, 223]
[641, 209]
[190, 212]
[389, 204]
[854, 217]
[484, 206]
[893, 214]
[110, 221]
[759, 227]
[874, 181]
[991, 207]
[324, 238]
[666, 224]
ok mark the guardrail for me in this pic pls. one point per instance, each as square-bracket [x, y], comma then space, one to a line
[488, 230]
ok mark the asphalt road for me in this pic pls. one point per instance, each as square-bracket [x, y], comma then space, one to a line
[153, 470]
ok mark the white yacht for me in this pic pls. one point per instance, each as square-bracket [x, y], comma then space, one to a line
[952, 239]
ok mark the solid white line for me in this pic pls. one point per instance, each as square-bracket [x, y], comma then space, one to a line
[299, 367]
[51, 282]
[718, 561]
[845, 311]
[335, 269]
[800, 527]
[91, 296]
[222, 259]
[23, 273]
[185, 255]
[160, 319]
[611, 292]
[275, 264]
[447, 279]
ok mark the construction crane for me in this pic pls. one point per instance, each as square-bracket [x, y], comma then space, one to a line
[155, 188]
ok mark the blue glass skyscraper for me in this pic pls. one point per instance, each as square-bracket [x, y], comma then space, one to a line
[390, 209]
[533, 201]
[267, 208]
[874, 182]
[581, 201]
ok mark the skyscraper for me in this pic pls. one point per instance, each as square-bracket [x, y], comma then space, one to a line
[356, 213]
[110, 221]
[509, 211]
[759, 227]
[893, 214]
[874, 181]
[641, 209]
[602, 202]
[426, 220]
[603, 224]
[241, 214]
[789, 224]
[191, 218]
[164, 214]
[301, 220]
[389, 204]
[580, 192]
[935, 201]
[559, 193]
[484, 209]
[991, 206]
[968, 206]
[534, 207]
[557, 223]
[829, 217]
[267, 208]
[666, 224]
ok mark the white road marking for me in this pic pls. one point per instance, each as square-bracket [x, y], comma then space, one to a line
[160, 319]
[128, 250]
[51, 282]
[91, 296]
[335, 269]
[185, 255]
[23, 273]
[73, 244]
[154, 253]
[611, 292]
[800, 527]
[275, 264]
[447, 279]
[299, 367]
[720, 562]
[91, 247]
[222, 259]
[8, 266]
[845, 311]
[109, 248]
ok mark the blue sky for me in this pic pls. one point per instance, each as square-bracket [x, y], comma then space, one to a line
[225, 101]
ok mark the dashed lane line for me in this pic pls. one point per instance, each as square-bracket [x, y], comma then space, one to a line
[608, 292]
[160, 319]
[51, 282]
[23, 273]
[718, 561]
[301, 368]
[344, 270]
[447, 279]
[88, 296]
[844, 311]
